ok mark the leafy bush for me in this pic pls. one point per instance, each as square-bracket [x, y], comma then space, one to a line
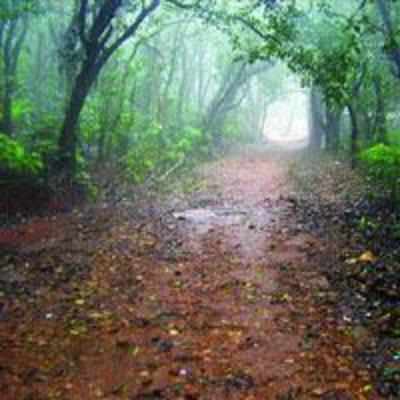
[382, 165]
[394, 138]
[15, 159]
[155, 152]
[21, 108]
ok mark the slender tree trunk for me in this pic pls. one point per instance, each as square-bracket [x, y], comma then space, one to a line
[263, 118]
[13, 37]
[182, 101]
[316, 123]
[393, 48]
[333, 121]
[380, 119]
[101, 148]
[200, 80]
[354, 135]
[7, 125]
[223, 101]
[165, 101]
[367, 125]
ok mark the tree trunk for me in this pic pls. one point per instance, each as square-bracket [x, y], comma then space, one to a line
[13, 37]
[95, 40]
[7, 122]
[392, 47]
[354, 135]
[380, 119]
[101, 151]
[316, 123]
[68, 140]
[333, 122]
[182, 101]
[367, 126]
[225, 99]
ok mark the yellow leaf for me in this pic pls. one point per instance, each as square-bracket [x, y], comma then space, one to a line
[367, 388]
[368, 256]
[96, 315]
[286, 297]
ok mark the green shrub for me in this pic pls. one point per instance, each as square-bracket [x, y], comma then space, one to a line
[382, 166]
[393, 138]
[155, 152]
[15, 159]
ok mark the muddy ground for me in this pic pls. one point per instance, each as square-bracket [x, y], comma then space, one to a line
[214, 292]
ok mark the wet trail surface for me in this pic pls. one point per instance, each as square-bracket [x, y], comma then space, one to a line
[214, 294]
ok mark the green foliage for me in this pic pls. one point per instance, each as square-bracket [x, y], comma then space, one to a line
[11, 9]
[14, 157]
[46, 148]
[84, 179]
[21, 108]
[393, 138]
[382, 166]
[154, 153]
[366, 224]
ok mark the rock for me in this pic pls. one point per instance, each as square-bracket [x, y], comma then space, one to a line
[361, 334]
[241, 382]
[318, 392]
[320, 283]
[12, 276]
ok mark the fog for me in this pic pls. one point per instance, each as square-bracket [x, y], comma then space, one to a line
[199, 199]
[288, 118]
[134, 90]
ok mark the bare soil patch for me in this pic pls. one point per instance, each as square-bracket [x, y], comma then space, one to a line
[209, 295]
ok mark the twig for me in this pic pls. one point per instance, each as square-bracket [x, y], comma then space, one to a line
[170, 171]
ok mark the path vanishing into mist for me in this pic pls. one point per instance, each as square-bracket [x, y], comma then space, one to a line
[210, 294]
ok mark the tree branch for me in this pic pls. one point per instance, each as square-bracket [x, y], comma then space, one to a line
[82, 21]
[130, 31]
[185, 6]
[103, 19]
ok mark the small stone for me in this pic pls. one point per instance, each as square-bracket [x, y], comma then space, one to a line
[318, 391]
[183, 372]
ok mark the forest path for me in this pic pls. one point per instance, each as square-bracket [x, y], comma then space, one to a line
[213, 296]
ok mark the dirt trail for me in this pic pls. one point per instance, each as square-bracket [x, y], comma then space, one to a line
[216, 298]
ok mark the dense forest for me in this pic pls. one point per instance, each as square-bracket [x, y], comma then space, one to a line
[199, 199]
[139, 87]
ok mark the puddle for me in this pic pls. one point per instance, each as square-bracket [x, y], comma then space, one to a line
[240, 232]
[223, 216]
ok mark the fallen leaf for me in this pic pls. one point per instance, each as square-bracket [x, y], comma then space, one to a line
[368, 256]
[318, 391]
